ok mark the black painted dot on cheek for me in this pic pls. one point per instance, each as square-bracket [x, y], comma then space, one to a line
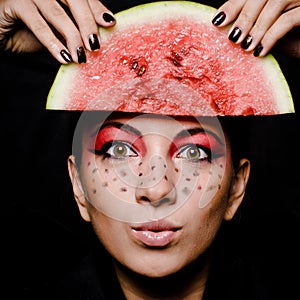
[89, 163]
[221, 166]
[210, 188]
[123, 189]
[176, 170]
[94, 191]
[123, 173]
[185, 190]
[106, 171]
[166, 178]
[199, 187]
[188, 179]
[140, 174]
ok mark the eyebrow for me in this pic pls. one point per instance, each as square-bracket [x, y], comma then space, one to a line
[194, 131]
[122, 126]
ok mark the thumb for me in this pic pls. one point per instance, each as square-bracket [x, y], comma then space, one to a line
[23, 41]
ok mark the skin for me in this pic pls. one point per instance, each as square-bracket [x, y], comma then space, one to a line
[186, 255]
[23, 29]
[267, 22]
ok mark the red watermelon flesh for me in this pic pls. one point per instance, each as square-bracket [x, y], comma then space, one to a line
[166, 57]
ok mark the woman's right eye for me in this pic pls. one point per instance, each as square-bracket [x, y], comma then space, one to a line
[117, 150]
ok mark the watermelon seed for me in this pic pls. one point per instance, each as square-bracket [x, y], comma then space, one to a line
[141, 71]
[135, 64]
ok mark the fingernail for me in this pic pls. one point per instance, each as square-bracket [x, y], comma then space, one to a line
[246, 42]
[219, 18]
[66, 56]
[81, 55]
[258, 49]
[235, 34]
[108, 18]
[94, 42]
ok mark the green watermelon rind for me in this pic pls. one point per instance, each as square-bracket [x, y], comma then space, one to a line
[62, 85]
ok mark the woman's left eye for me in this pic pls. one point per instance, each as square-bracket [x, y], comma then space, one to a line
[120, 150]
[193, 153]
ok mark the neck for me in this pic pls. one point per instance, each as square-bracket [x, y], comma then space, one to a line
[188, 284]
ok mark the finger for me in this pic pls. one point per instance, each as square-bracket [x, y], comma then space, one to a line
[267, 17]
[228, 12]
[103, 16]
[245, 21]
[283, 25]
[40, 28]
[55, 15]
[86, 23]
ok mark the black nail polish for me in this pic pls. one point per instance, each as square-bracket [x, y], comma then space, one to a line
[258, 49]
[219, 18]
[66, 56]
[94, 42]
[246, 42]
[108, 18]
[235, 34]
[81, 55]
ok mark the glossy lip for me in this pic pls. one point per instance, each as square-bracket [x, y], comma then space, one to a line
[155, 234]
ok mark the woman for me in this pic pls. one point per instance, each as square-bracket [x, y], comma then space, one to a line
[156, 190]
[78, 39]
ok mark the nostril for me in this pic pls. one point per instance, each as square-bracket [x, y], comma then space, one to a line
[144, 198]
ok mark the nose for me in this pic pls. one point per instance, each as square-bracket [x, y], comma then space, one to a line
[156, 186]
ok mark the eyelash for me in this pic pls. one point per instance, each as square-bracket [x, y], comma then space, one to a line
[107, 151]
[110, 146]
[204, 153]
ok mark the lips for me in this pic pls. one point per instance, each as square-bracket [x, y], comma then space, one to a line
[155, 234]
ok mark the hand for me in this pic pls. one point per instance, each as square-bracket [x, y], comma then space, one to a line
[66, 28]
[260, 24]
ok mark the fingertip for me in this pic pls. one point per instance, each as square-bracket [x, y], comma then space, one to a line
[66, 56]
[258, 50]
[219, 18]
[109, 18]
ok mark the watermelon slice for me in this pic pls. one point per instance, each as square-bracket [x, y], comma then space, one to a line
[166, 57]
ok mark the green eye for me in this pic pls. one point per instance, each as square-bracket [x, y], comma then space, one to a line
[119, 150]
[193, 153]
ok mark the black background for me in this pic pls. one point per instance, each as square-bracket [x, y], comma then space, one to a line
[42, 232]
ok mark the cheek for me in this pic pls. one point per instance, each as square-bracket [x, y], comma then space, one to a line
[204, 183]
[117, 179]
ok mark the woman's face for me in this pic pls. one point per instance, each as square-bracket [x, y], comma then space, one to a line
[156, 189]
